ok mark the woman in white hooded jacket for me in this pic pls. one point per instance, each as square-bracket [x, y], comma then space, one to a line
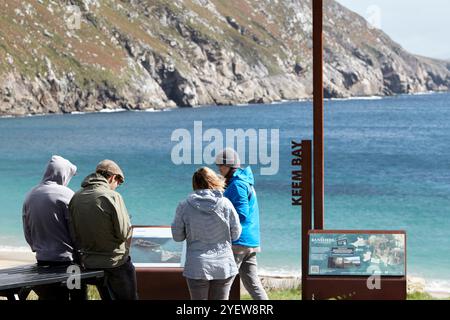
[209, 223]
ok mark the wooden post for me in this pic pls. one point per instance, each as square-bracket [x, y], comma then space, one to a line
[306, 211]
[318, 114]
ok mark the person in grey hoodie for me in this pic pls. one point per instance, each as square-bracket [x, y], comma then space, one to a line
[45, 221]
[209, 223]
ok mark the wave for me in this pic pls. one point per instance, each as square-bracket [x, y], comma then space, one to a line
[120, 110]
[437, 286]
[280, 102]
[279, 272]
[150, 110]
[37, 115]
[112, 110]
[356, 98]
[426, 93]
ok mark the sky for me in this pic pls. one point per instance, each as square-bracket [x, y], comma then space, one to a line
[421, 26]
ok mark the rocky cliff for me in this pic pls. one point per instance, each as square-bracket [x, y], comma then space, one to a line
[87, 55]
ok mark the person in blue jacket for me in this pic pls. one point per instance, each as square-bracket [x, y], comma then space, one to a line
[241, 192]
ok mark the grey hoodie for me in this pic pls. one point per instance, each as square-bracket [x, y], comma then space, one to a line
[45, 213]
[209, 223]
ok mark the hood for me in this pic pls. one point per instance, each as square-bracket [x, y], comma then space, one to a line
[205, 200]
[245, 175]
[59, 170]
[94, 179]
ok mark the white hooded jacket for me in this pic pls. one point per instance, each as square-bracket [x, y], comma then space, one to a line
[45, 213]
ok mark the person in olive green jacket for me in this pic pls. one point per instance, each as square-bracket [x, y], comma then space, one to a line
[101, 229]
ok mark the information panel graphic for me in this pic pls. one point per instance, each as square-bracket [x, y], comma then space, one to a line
[357, 254]
[155, 247]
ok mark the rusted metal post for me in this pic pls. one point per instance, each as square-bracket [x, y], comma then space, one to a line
[318, 114]
[306, 211]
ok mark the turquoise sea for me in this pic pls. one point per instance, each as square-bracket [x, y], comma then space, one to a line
[387, 166]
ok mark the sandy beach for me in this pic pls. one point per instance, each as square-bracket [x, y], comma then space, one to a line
[12, 259]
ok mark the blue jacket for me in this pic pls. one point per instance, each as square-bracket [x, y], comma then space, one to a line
[241, 193]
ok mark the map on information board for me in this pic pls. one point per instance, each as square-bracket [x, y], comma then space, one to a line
[357, 254]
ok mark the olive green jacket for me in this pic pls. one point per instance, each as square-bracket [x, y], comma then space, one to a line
[100, 224]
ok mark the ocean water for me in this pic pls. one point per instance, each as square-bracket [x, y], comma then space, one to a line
[387, 166]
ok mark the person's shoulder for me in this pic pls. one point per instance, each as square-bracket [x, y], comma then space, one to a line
[77, 193]
[65, 191]
[227, 203]
[182, 204]
[237, 184]
[61, 192]
[28, 198]
[228, 206]
[30, 193]
[112, 195]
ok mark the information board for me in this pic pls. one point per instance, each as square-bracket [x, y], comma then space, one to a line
[357, 254]
[155, 247]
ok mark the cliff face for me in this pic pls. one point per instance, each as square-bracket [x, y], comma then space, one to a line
[140, 54]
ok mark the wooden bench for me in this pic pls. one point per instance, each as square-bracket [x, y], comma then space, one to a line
[16, 283]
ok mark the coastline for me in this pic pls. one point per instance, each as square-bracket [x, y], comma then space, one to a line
[9, 259]
[118, 110]
[277, 102]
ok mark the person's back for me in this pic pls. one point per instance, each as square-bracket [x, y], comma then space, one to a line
[101, 226]
[45, 216]
[100, 223]
[209, 223]
[210, 226]
[240, 191]
[45, 213]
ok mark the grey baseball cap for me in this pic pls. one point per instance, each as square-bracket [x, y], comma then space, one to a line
[228, 157]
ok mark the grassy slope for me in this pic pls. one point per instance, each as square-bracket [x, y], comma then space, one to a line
[295, 294]
[90, 54]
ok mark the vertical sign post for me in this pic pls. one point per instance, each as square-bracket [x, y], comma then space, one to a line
[318, 114]
[306, 211]
[302, 196]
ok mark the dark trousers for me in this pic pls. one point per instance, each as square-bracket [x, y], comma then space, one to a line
[121, 281]
[59, 291]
